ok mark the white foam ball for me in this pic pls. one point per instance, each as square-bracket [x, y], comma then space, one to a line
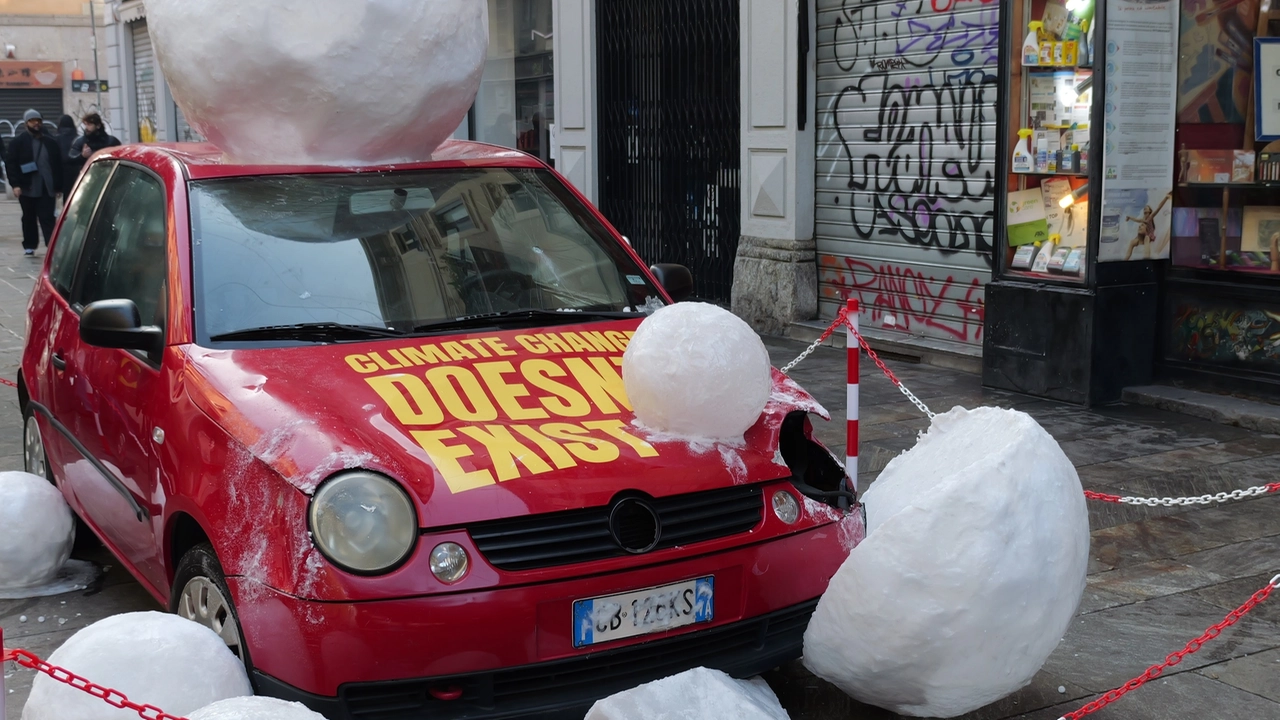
[322, 81]
[973, 566]
[697, 694]
[36, 531]
[152, 657]
[255, 708]
[697, 370]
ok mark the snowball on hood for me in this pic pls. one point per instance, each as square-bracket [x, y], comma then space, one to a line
[697, 370]
[973, 566]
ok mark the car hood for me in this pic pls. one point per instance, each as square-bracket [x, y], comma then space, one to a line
[477, 426]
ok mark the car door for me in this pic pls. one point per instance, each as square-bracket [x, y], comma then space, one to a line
[60, 391]
[124, 257]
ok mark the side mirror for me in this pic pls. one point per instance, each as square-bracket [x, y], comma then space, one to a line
[675, 279]
[118, 324]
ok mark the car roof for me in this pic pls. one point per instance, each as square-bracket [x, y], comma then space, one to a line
[205, 160]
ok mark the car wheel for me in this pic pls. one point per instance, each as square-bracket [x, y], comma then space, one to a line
[34, 459]
[200, 594]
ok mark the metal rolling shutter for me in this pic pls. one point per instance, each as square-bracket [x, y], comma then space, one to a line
[906, 163]
[144, 83]
[15, 102]
[184, 131]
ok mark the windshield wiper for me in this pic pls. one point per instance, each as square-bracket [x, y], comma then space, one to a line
[319, 332]
[522, 318]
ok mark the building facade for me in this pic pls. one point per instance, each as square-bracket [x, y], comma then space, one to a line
[792, 153]
[45, 46]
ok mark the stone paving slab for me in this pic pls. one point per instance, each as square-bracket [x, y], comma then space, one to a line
[1184, 695]
[1258, 674]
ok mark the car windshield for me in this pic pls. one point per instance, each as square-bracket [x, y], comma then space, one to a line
[401, 252]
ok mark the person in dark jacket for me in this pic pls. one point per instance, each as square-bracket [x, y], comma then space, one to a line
[35, 170]
[95, 138]
[67, 136]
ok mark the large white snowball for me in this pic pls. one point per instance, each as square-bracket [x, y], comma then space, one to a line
[698, 371]
[698, 694]
[338, 82]
[151, 657]
[255, 708]
[36, 531]
[974, 565]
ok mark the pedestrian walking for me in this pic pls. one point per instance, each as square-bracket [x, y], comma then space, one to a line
[66, 137]
[95, 138]
[35, 171]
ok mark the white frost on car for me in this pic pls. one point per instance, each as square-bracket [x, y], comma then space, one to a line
[698, 694]
[973, 566]
[37, 531]
[255, 708]
[333, 82]
[694, 370]
[153, 658]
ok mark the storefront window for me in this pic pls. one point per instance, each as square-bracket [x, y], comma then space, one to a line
[1047, 213]
[516, 103]
[1228, 161]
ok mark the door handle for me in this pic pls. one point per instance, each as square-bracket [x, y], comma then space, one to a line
[58, 362]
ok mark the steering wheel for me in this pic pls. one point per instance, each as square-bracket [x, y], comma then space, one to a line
[503, 289]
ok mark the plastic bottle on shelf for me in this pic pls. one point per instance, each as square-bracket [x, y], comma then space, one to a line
[1046, 254]
[1031, 46]
[1042, 154]
[1023, 162]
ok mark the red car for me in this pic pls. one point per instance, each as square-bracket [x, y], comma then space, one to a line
[368, 425]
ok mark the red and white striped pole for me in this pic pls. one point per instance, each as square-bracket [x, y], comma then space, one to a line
[854, 351]
[3, 692]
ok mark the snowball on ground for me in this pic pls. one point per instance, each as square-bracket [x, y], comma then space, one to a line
[334, 82]
[36, 531]
[698, 694]
[696, 370]
[153, 658]
[255, 708]
[973, 566]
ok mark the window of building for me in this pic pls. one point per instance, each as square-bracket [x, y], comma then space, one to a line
[515, 107]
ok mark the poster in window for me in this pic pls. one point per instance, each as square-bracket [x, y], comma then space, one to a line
[1266, 54]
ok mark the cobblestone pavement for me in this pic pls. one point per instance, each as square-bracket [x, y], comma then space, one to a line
[1158, 576]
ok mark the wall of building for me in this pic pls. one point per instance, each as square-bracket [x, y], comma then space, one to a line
[62, 33]
[906, 157]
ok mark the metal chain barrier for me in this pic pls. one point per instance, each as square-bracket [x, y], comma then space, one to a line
[8, 383]
[842, 318]
[1172, 659]
[1255, 491]
[114, 698]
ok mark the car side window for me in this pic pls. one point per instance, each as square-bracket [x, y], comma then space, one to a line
[125, 257]
[79, 213]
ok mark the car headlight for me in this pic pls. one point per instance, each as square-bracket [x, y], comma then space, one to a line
[785, 507]
[363, 523]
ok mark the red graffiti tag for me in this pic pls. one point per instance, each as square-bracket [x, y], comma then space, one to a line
[911, 297]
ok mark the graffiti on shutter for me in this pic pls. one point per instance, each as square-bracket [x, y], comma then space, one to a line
[906, 161]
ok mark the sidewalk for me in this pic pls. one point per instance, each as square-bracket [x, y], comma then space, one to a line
[1158, 576]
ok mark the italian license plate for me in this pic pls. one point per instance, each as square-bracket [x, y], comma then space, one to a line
[615, 617]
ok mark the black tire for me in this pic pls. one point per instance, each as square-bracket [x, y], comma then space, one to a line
[199, 568]
[30, 427]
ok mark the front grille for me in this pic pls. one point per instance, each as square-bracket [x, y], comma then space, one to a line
[741, 649]
[576, 536]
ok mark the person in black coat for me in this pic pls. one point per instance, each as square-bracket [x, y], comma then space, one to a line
[34, 165]
[95, 138]
[66, 136]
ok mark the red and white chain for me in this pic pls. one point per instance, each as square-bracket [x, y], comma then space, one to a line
[1255, 491]
[114, 698]
[843, 319]
[1174, 658]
